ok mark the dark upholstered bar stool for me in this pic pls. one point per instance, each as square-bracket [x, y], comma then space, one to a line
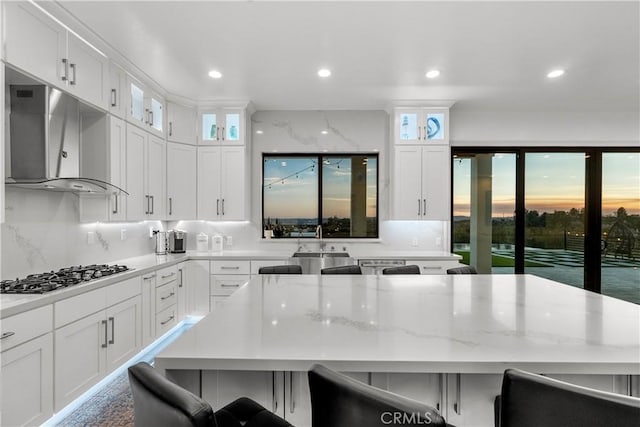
[403, 269]
[343, 269]
[530, 400]
[158, 402]
[280, 269]
[467, 269]
[340, 401]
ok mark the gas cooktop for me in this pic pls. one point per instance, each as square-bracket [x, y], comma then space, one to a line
[65, 277]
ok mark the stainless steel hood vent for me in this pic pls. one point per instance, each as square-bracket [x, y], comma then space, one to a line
[45, 142]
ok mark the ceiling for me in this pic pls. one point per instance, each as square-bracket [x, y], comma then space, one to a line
[493, 56]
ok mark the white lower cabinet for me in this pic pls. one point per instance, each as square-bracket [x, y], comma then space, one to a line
[27, 382]
[148, 308]
[182, 283]
[470, 399]
[425, 388]
[124, 323]
[198, 288]
[435, 267]
[227, 276]
[220, 388]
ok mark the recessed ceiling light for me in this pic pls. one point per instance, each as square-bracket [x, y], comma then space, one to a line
[215, 74]
[432, 74]
[324, 132]
[324, 72]
[555, 73]
[259, 132]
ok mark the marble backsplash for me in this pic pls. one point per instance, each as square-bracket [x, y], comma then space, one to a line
[42, 232]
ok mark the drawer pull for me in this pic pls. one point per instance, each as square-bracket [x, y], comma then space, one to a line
[230, 268]
[151, 276]
[224, 285]
[7, 335]
[168, 296]
[168, 275]
[431, 268]
[167, 321]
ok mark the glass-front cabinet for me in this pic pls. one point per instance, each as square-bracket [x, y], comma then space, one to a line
[222, 126]
[422, 125]
[145, 108]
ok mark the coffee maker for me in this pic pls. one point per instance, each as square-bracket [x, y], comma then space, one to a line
[177, 241]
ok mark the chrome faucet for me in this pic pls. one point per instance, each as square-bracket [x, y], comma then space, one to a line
[319, 236]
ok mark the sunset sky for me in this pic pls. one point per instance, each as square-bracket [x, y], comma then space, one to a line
[553, 181]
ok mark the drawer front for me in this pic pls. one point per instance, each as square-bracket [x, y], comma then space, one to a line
[72, 309]
[123, 290]
[26, 326]
[256, 264]
[227, 284]
[166, 320]
[166, 295]
[434, 267]
[166, 275]
[230, 267]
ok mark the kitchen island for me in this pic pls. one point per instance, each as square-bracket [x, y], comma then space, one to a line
[445, 340]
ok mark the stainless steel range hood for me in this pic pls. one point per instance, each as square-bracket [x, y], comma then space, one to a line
[45, 142]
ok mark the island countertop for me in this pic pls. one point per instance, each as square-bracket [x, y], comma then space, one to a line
[455, 323]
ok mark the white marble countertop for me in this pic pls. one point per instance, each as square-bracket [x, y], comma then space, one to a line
[11, 304]
[456, 323]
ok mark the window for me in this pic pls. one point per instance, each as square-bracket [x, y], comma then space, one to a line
[337, 191]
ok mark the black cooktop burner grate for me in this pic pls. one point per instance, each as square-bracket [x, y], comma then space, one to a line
[65, 277]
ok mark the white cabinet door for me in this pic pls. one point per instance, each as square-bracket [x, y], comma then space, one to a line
[155, 178]
[88, 72]
[407, 129]
[181, 181]
[198, 296]
[436, 176]
[34, 42]
[137, 202]
[154, 107]
[182, 283]
[148, 308]
[425, 388]
[208, 182]
[80, 359]
[181, 122]
[124, 322]
[407, 188]
[27, 382]
[117, 168]
[224, 126]
[232, 184]
[220, 388]
[470, 399]
[117, 91]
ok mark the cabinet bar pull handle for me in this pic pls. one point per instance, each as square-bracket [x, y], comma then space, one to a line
[151, 117]
[106, 338]
[115, 209]
[7, 335]
[170, 128]
[170, 205]
[146, 116]
[222, 206]
[223, 133]
[168, 275]
[73, 68]
[224, 285]
[274, 397]
[629, 385]
[65, 61]
[113, 97]
[151, 276]
[425, 133]
[147, 211]
[217, 206]
[113, 330]
[292, 406]
[426, 267]
[418, 207]
[419, 133]
[456, 405]
[168, 296]
[225, 267]
[440, 385]
[167, 321]
[180, 280]
[424, 206]
[152, 206]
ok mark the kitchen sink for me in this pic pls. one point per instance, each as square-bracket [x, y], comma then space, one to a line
[313, 262]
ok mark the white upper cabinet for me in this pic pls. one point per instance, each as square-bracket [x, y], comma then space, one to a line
[181, 123]
[40, 46]
[181, 181]
[221, 183]
[421, 126]
[145, 109]
[223, 126]
[117, 90]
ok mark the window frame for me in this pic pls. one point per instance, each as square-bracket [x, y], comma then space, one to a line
[319, 157]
